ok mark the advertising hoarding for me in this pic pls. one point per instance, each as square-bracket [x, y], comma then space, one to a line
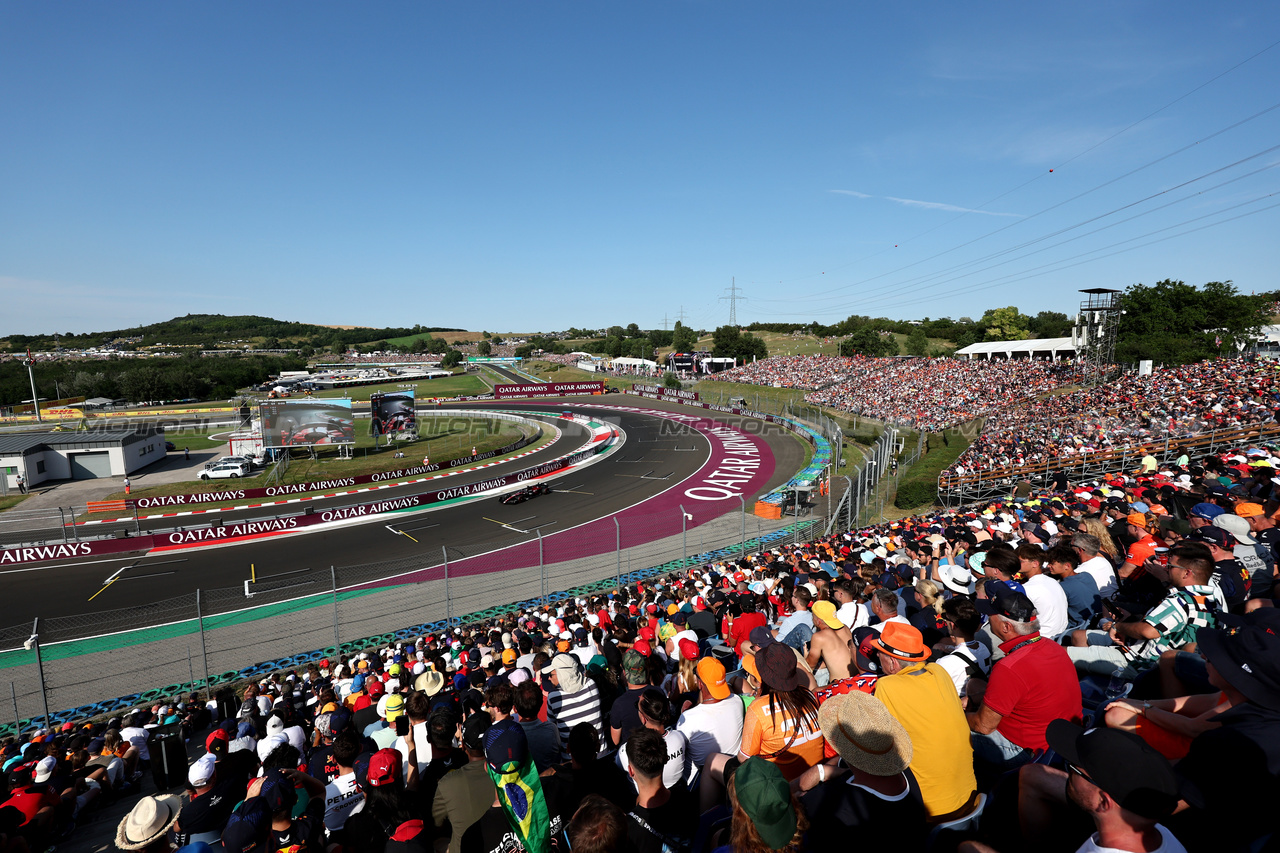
[547, 389]
[306, 423]
[393, 412]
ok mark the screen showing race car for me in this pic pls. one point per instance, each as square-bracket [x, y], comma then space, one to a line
[393, 413]
[303, 423]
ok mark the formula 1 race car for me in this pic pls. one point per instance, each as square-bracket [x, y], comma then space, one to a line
[530, 491]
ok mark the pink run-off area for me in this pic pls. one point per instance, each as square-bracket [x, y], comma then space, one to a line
[738, 466]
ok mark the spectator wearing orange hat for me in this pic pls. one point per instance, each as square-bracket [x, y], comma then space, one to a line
[1144, 546]
[714, 725]
[922, 697]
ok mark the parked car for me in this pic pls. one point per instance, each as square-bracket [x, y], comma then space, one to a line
[169, 447]
[225, 470]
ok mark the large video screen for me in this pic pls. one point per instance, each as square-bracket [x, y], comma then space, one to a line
[303, 423]
[393, 412]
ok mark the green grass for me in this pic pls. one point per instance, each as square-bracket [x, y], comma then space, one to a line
[12, 500]
[918, 487]
[460, 384]
[442, 442]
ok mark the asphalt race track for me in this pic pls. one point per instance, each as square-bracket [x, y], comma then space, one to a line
[657, 455]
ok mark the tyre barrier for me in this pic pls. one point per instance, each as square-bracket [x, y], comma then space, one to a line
[109, 706]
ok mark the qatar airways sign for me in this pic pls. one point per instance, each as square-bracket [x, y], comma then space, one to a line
[547, 389]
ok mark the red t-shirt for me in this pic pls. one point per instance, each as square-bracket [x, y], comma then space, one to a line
[30, 800]
[742, 626]
[1031, 688]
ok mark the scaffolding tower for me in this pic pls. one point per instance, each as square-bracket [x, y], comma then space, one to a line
[1095, 331]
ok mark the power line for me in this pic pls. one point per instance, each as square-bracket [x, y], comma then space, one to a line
[1026, 183]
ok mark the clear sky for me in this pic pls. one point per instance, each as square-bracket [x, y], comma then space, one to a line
[521, 166]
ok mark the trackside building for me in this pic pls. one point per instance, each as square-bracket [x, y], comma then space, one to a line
[43, 456]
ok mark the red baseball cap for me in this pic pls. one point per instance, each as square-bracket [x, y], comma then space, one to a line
[384, 768]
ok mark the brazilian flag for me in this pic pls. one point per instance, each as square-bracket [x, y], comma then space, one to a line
[506, 752]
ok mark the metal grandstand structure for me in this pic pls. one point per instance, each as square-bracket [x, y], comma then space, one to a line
[1094, 334]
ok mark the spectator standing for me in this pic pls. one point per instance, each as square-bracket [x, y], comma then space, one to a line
[574, 698]
[543, 737]
[464, 795]
[660, 820]
[1045, 593]
[623, 716]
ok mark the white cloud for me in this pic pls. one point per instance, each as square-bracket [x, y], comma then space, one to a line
[928, 205]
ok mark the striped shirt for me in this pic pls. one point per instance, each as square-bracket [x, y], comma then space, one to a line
[567, 710]
[1178, 616]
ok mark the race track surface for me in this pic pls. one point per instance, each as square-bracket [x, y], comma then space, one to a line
[658, 455]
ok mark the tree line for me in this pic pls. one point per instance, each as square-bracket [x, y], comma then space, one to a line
[138, 380]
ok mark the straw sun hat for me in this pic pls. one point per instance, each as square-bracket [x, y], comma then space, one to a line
[860, 728]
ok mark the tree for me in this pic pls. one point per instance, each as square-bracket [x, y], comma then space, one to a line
[917, 342]
[1172, 322]
[866, 341]
[683, 339]
[670, 380]
[484, 348]
[1005, 324]
[1050, 324]
[451, 359]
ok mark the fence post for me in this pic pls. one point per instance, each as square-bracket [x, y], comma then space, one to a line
[34, 643]
[62, 518]
[742, 543]
[204, 653]
[617, 548]
[684, 544]
[337, 637]
[17, 720]
[542, 568]
[448, 602]
[137, 528]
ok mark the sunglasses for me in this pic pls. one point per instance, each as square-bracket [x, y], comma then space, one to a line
[1071, 768]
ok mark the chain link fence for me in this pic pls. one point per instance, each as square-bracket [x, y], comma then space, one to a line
[74, 667]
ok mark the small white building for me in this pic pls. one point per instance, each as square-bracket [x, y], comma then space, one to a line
[43, 456]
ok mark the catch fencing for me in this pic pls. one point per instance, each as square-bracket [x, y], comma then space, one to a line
[70, 668]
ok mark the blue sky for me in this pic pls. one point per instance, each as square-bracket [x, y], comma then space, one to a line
[531, 166]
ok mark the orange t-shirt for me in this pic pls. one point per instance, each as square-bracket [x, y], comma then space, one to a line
[770, 736]
[1142, 550]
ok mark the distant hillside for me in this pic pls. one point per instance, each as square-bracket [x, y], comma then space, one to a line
[217, 331]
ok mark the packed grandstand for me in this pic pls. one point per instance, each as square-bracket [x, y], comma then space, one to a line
[1096, 665]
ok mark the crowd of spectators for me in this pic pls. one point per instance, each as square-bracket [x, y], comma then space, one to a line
[1093, 668]
[1170, 404]
[924, 393]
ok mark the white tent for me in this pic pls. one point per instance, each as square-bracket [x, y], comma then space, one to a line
[1054, 348]
[628, 363]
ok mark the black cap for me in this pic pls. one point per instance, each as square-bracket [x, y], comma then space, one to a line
[474, 729]
[1003, 600]
[1247, 657]
[1211, 535]
[1137, 777]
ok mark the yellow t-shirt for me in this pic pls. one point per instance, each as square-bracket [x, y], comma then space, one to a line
[923, 698]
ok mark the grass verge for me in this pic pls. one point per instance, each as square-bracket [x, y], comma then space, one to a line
[919, 486]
